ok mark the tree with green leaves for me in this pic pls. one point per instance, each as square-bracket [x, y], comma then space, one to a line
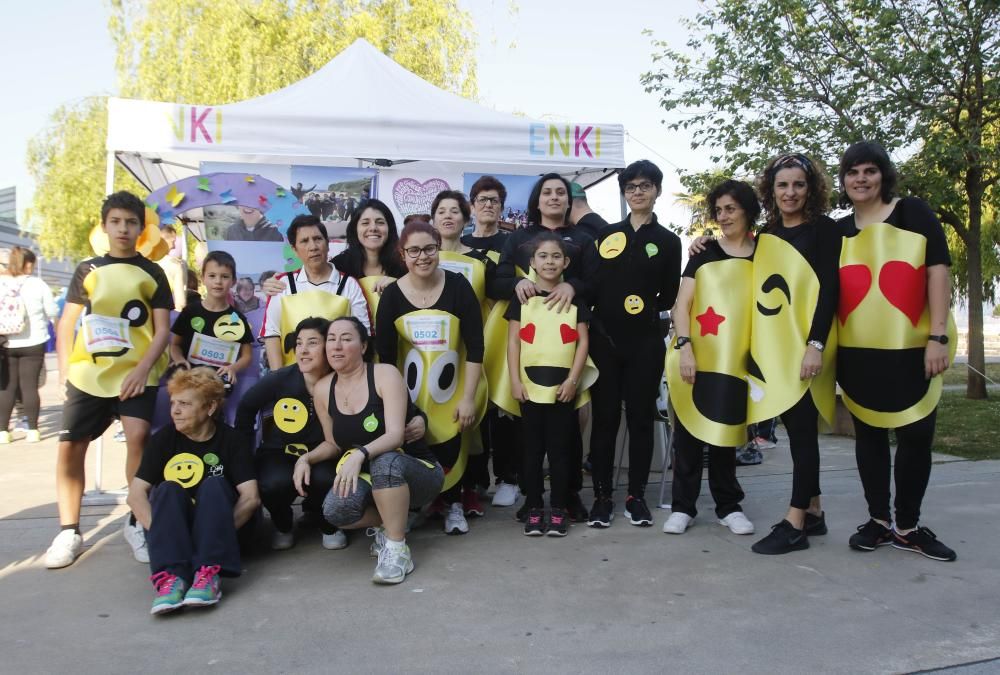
[922, 77]
[191, 51]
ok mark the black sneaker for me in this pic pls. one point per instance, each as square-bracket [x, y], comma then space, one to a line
[577, 511]
[602, 513]
[558, 523]
[637, 512]
[815, 525]
[522, 513]
[870, 536]
[924, 542]
[784, 538]
[534, 524]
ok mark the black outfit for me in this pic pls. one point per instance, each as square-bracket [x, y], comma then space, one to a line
[913, 441]
[628, 348]
[688, 450]
[583, 260]
[819, 242]
[194, 491]
[24, 366]
[548, 429]
[592, 224]
[353, 265]
[225, 329]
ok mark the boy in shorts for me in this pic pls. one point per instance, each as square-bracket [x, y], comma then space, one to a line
[113, 366]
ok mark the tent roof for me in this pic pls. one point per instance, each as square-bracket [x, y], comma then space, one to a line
[361, 105]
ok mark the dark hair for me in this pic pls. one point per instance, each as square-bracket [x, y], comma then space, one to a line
[546, 237]
[534, 213]
[641, 169]
[414, 217]
[353, 257]
[316, 323]
[742, 193]
[415, 227]
[485, 183]
[865, 152]
[817, 187]
[246, 279]
[20, 258]
[222, 259]
[126, 201]
[301, 221]
[463, 203]
[367, 352]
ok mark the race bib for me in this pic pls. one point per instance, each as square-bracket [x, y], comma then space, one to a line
[210, 351]
[428, 333]
[105, 333]
[458, 266]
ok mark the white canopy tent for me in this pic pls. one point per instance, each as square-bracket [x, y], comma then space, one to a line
[360, 109]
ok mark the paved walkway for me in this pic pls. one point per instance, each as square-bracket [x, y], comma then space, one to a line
[623, 599]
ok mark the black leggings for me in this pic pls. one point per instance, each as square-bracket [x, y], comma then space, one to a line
[722, 482]
[277, 491]
[802, 424]
[24, 365]
[630, 374]
[548, 430]
[912, 470]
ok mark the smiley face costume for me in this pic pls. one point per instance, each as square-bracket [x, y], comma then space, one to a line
[883, 326]
[211, 338]
[193, 495]
[431, 347]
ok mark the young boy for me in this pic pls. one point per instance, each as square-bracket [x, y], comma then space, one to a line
[112, 368]
[211, 332]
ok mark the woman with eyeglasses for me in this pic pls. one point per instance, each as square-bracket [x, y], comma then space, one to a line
[640, 266]
[430, 324]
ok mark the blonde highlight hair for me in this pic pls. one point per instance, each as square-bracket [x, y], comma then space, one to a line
[204, 381]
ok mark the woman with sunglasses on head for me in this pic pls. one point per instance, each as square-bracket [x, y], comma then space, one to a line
[797, 255]
[894, 337]
[430, 325]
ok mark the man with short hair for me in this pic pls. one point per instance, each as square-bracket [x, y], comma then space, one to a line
[581, 214]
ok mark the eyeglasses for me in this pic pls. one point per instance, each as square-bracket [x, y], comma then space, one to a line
[483, 201]
[414, 251]
[640, 187]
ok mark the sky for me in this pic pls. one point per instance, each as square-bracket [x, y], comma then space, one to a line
[557, 60]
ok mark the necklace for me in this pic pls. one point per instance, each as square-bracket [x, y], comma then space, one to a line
[345, 395]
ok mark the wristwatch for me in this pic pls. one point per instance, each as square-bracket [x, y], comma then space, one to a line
[681, 341]
[364, 451]
[817, 344]
[943, 339]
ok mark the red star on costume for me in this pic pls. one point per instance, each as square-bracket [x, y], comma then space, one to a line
[710, 322]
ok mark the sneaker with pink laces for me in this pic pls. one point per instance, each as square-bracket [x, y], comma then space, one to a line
[205, 590]
[169, 592]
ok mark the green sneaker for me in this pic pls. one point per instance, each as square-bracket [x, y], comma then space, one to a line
[205, 590]
[169, 593]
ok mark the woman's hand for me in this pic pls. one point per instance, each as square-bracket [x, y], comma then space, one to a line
[273, 286]
[812, 363]
[561, 297]
[699, 244]
[414, 429]
[301, 474]
[688, 364]
[525, 290]
[465, 413]
[346, 482]
[227, 371]
[935, 358]
[383, 283]
[517, 390]
[567, 391]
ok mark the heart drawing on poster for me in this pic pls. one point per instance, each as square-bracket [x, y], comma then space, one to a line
[412, 196]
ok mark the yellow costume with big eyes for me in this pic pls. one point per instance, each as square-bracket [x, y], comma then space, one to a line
[302, 305]
[884, 323]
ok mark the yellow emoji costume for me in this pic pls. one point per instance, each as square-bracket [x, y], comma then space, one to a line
[884, 323]
[371, 297]
[302, 305]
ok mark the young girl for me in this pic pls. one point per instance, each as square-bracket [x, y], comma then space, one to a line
[211, 332]
[546, 356]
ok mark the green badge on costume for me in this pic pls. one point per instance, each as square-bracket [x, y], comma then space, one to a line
[197, 323]
[371, 423]
[211, 459]
[651, 250]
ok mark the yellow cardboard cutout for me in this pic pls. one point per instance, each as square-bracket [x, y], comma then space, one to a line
[714, 409]
[150, 244]
[883, 309]
[371, 297]
[303, 305]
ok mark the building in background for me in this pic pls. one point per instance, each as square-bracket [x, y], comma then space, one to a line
[56, 273]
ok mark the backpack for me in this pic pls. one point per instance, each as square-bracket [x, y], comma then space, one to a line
[12, 313]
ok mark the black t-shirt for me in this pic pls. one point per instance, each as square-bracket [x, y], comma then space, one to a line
[592, 224]
[160, 299]
[352, 264]
[457, 298]
[713, 253]
[290, 421]
[819, 242]
[227, 324]
[914, 215]
[170, 455]
[643, 264]
[513, 313]
[583, 263]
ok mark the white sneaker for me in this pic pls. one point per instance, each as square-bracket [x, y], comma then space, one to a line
[394, 563]
[737, 523]
[454, 520]
[378, 540]
[4, 437]
[136, 538]
[506, 495]
[281, 541]
[335, 541]
[64, 550]
[32, 436]
[677, 523]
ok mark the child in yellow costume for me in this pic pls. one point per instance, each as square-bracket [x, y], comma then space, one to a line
[546, 357]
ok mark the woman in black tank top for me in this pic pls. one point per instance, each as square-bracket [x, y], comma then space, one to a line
[362, 408]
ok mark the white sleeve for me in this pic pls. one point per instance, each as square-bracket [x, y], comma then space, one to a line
[48, 301]
[359, 306]
[272, 317]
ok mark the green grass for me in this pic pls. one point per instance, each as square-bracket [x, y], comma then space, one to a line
[967, 428]
[959, 373]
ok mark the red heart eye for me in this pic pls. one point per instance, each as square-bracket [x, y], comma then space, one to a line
[527, 332]
[568, 333]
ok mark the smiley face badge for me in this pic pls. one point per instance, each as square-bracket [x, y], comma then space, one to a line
[184, 469]
[290, 415]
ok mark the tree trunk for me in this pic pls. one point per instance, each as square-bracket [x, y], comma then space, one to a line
[976, 387]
